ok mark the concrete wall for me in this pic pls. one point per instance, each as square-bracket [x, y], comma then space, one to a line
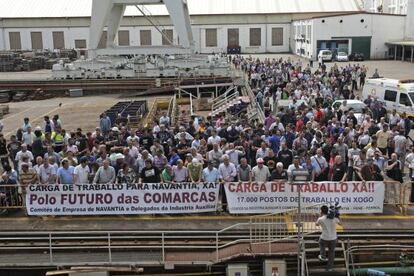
[381, 28]
[74, 33]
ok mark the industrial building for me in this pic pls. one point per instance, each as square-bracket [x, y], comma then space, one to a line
[271, 26]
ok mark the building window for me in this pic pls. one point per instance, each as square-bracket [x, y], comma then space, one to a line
[80, 44]
[37, 40]
[309, 32]
[103, 41]
[145, 37]
[233, 37]
[255, 36]
[123, 38]
[211, 37]
[168, 37]
[277, 36]
[15, 41]
[58, 40]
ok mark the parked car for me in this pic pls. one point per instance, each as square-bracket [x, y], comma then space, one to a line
[325, 54]
[342, 56]
[356, 106]
[356, 57]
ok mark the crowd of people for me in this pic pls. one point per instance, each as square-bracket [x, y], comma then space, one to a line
[331, 143]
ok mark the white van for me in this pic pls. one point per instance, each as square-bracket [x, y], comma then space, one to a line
[326, 55]
[395, 94]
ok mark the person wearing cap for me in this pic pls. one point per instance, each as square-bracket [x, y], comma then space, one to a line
[82, 171]
[211, 174]
[195, 170]
[279, 173]
[227, 170]
[260, 172]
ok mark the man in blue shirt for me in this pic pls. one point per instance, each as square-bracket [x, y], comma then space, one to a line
[274, 141]
[65, 173]
[211, 174]
[174, 157]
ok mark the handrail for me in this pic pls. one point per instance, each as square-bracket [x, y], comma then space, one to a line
[224, 101]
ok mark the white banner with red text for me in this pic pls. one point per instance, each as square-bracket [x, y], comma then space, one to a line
[121, 199]
[264, 198]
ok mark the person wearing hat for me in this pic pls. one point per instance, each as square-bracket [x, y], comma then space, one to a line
[211, 174]
[82, 171]
[260, 172]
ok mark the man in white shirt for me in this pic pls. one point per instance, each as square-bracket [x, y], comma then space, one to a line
[235, 153]
[294, 166]
[23, 153]
[320, 166]
[82, 171]
[260, 173]
[214, 138]
[47, 173]
[400, 147]
[227, 170]
[328, 236]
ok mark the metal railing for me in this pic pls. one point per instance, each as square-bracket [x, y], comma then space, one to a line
[225, 98]
[220, 245]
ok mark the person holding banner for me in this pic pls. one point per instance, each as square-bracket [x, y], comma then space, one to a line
[149, 173]
[105, 174]
[211, 174]
[260, 172]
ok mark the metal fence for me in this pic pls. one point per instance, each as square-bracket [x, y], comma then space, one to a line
[146, 247]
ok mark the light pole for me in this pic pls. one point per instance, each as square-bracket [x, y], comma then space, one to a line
[300, 177]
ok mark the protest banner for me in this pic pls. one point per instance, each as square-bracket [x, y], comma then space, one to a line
[264, 198]
[121, 199]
